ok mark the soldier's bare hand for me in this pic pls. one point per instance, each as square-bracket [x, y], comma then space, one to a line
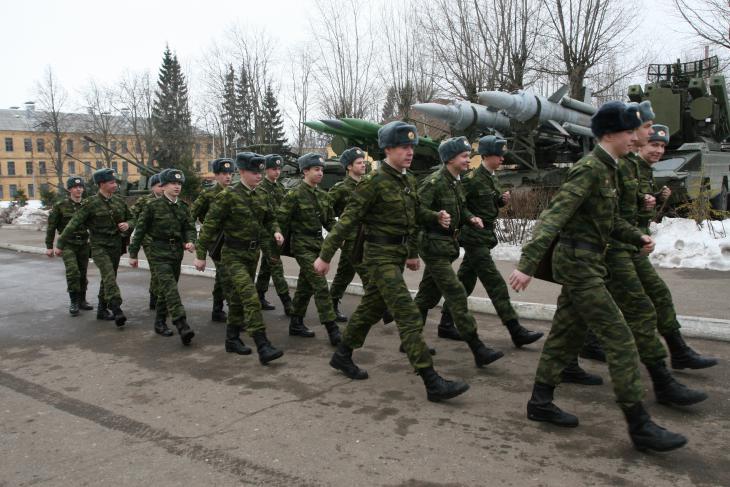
[199, 264]
[666, 192]
[649, 201]
[477, 222]
[444, 219]
[413, 264]
[279, 239]
[124, 226]
[321, 267]
[134, 262]
[49, 252]
[58, 252]
[519, 280]
[506, 197]
[190, 247]
[648, 246]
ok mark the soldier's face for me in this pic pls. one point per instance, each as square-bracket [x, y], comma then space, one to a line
[157, 189]
[251, 178]
[108, 187]
[314, 174]
[492, 162]
[460, 162]
[653, 151]
[400, 156]
[358, 166]
[76, 192]
[643, 133]
[224, 178]
[620, 143]
[172, 190]
[272, 174]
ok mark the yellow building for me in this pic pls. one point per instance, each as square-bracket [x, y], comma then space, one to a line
[27, 152]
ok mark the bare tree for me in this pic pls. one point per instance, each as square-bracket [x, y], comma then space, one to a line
[302, 77]
[52, 98]
[104, 125]
[133, 102]
[709, 19]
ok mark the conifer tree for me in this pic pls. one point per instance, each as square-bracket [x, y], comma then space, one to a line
[272, 125]
[230, 110]
[244, 109]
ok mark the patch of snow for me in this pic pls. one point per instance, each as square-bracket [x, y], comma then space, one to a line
[680, 243]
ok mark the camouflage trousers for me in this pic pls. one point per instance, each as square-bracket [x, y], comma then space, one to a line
[166, 274]
[76, 261]
[659, 293]
[628, 292]
[238, 266]
[274, 271]
[388, 290]
[161, 312]
[439, 279]
[592, 307]
[346, 271]
[478, 264]
[106, 257]
[218, 292]
[311, 284]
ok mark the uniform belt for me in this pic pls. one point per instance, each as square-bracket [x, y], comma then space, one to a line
[443, 233]
[239, 244]
[306, 233]
[387, 239]
[79, 237]
[577, 244]
[167, 241]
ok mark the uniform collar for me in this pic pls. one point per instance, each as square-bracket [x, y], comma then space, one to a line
[169, 200]
[388, 168]
[603, 155]
[450, 177]
[245, 186]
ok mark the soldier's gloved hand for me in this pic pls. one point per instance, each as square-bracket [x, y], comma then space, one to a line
[648, 246]
[444, 219]
[49, 252]
[190, 247]
[413, 264]
[123, 227]
[279, 238]
[519, 280]
[476, 221]
[58, 251]
[199, 264]
[666, 192]
[133, 262]
[506, 197]
[649, 201]
[321, 267]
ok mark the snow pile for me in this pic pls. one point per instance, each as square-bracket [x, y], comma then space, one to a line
[35, 204]
[31, 216]
[681, 243]
[505, 251]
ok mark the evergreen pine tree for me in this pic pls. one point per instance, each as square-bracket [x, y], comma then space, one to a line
[390, 106]
[244, 110]
[272, 126]
[230, 110]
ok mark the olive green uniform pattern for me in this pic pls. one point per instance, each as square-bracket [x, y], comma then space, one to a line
[585, 209]
[136, 210]
[387, 204]
[271, 266]
[340, 194]
[483, 199]
[302, 214]
[75, 255]
[166, 226]
[243, 215]
[441, 191]
[199, 210]
[101, 216]
[646, 186]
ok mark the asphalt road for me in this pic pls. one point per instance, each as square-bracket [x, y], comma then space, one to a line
[82, 403]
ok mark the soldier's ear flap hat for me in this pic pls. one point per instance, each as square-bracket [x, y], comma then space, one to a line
[154, 180]
[351, 155]
[104, 175]
[248, 161]
[224, 165]
[274, 161]
[661, 134]
[452, 147]
[397, 133]
[172, 176]
[615, 116]
[74, 181]
[645, 111]
[491, 145]
[310, 159]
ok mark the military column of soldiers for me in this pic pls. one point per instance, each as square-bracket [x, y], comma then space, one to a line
[593, 239]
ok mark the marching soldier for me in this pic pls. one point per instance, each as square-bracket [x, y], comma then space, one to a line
[302, 214]
[387, 205]
[168, 229]
[223, 171]
[243, 213]
[76, 253]
[271, 265]
[583, 216]
[109, 220]
[155, 192]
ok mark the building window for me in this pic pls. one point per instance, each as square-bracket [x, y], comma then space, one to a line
[197, 149]
[41, 167]
[13, 190]
[2, 194]
[44, 187]
[114, 145]
[85, 145]
[40, 145]
[71, 167]
[198, 166]
[124, 146]
[209, 148]
[28, 167]
[98, 164]
[97, 148]
[31, 191]
[137, 148]
[8, 144]
[69, 146]
[115, 166]
[125, 167]
[28, 145]
[87, 168]
[11, 168]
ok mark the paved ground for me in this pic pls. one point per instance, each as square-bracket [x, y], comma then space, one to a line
[86, 404]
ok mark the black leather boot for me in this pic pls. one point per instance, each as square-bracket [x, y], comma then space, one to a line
[73, 307]
[333, 331]
[647, 435]
[161, 328]
[540, 407]
[574, 374]
[267, 352]
[265, 305]
[83, 304]
[297, 328]
[153, 301]
[387, 317]
[119, 317]
[440, 389]
[483, 355]
[234, 344]
[339, 317]
[592, 348]
[342, 361]
[103, 313]
[218, 314]
[186, 334]
[521, 335]
[683, 357]
[446, 328]
[670, 392]
[286, 303]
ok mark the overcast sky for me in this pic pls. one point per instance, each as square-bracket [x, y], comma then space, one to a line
[84, 39]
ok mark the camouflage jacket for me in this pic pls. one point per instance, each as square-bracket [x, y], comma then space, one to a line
[627, 184]
[275, 190]
[646, 186]
[60, 215]
[483, 199]
[340, 194]
[202, 203]
[101, 216]
[584, 209]
[303, 213]
[243, 215]
[165, 225]
[386, 202]
[442, 191]
[140, 205]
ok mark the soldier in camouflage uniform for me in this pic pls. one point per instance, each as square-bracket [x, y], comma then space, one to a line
[439, 247]
[271, 265]
[76, 254]
[243, 213]
[484, 197]
[155, 192]
[583, 215]
[683, 356]
[167, 228]
[223, 171]
[109, 220]
[386, 203]
[302, 214]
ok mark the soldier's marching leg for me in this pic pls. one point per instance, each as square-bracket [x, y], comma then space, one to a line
[107, 260]
[234, 326]
[82, 260]
[362, 271]
[428, 297]
[218, 314]
[318, 285]
[262, 280]
[302, 295]
[344, 276]
[167, 274]
[73, 278]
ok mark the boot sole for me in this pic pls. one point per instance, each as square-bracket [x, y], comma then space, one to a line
[167, 333]
[120, 322]
[244, 351]
[667, 402]
[645, 448]
[336, 366]
[450, 337]
[302, 335]
[271, 358]
[186, 338]
[524, 342]
[439, 397]
[540, 419]
[676, 366]
[494, 358]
